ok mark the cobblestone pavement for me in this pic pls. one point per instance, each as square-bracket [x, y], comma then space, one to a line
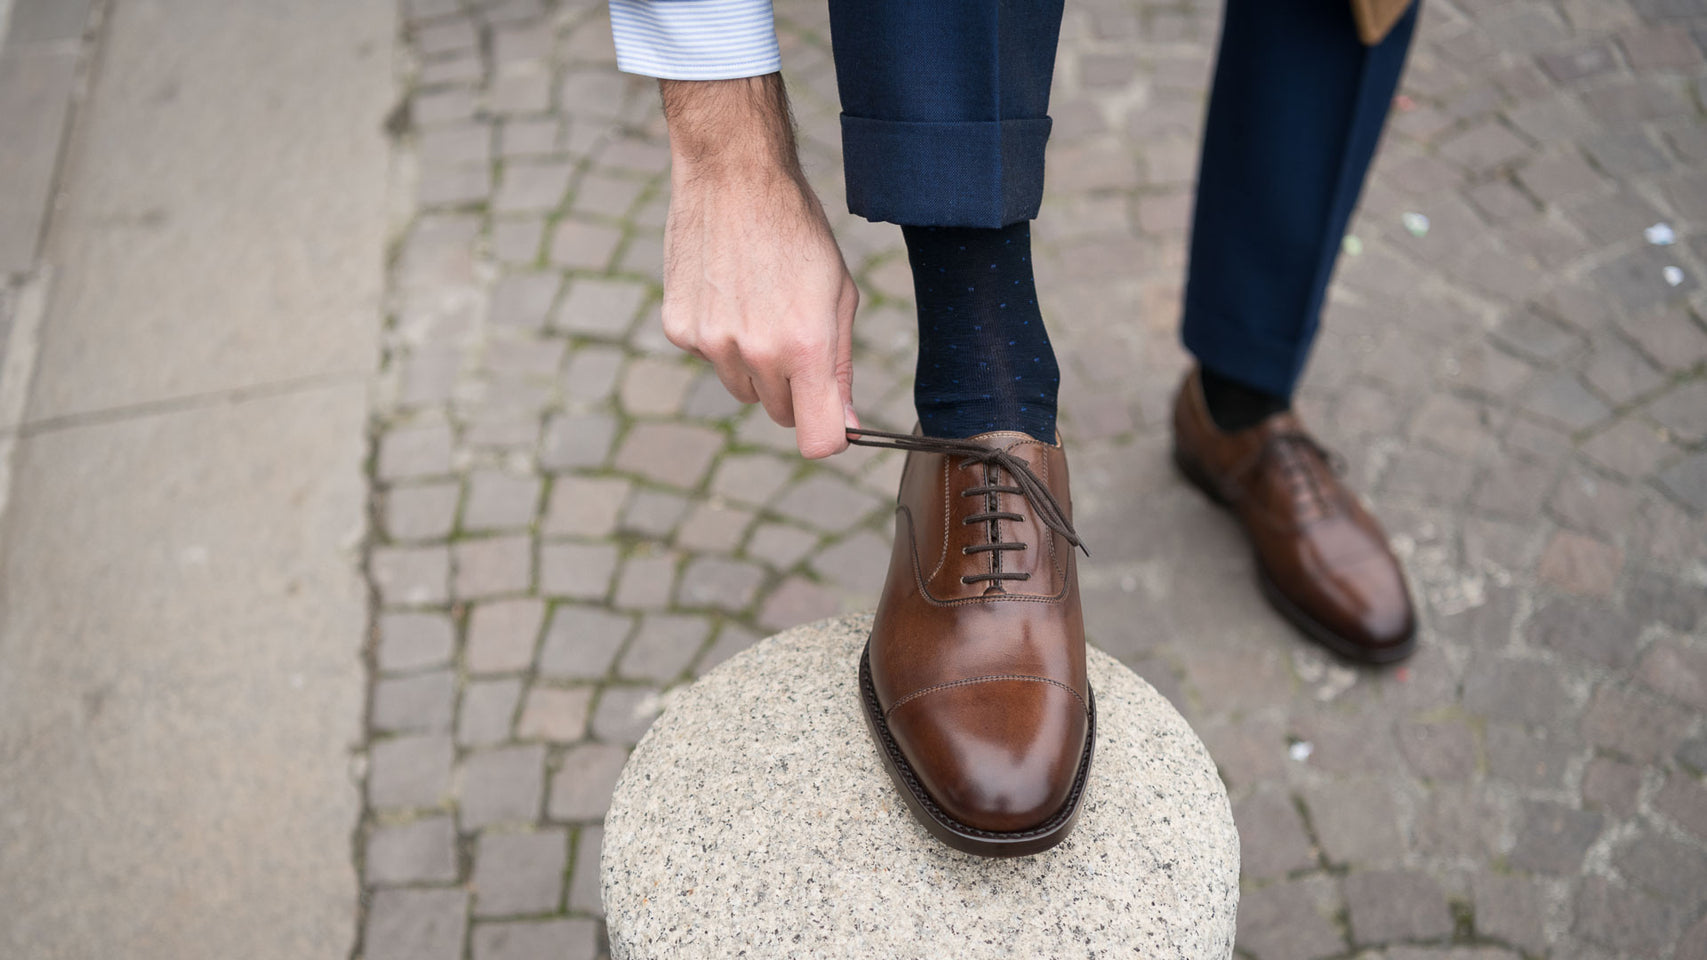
[570, 517]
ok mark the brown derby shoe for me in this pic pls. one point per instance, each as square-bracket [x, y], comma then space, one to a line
[1322, 560]
[973, 680]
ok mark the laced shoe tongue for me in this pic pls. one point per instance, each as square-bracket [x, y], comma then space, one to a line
[1301, 460]
[1036, 492]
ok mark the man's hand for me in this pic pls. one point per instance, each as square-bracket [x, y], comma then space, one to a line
[753, 279]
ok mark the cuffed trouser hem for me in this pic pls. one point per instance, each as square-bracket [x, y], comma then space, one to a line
[970, 174]
[1253, 357]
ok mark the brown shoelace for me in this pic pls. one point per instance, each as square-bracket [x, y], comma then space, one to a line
[1299, 456]
[1026, 484]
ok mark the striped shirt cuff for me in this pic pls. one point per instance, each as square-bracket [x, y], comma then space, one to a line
[695, 39]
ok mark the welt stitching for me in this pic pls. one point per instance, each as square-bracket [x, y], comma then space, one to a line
[916, 694]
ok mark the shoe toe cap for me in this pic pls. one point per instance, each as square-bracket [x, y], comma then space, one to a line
[996, 754]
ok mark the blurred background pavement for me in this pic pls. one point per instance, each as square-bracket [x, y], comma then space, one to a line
[565, 518]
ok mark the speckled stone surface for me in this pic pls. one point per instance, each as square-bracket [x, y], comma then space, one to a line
[755, 820]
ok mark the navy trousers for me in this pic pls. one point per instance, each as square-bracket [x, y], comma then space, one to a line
[945, 117]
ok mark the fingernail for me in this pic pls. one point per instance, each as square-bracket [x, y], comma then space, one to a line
[849, 417]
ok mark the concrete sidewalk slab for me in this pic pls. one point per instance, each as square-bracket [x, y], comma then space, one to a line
[179, 628]
[224, 197]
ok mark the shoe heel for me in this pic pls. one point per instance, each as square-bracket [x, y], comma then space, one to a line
[1197, 477]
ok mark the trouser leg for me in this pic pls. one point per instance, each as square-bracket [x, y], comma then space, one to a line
[1295, 113]
[945, 107]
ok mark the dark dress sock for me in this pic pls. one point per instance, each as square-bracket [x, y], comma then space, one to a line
[1235, 406]
[984, 358]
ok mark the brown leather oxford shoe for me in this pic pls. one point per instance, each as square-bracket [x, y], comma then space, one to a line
[973, 680]
[1321, 559]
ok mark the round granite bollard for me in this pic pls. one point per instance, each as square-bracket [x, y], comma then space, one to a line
[754, 820]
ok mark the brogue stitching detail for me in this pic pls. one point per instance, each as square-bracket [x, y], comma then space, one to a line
[916, 694]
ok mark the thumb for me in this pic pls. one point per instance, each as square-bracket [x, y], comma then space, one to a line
[845, 309]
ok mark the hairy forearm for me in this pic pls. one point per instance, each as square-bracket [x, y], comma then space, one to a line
[730, 127]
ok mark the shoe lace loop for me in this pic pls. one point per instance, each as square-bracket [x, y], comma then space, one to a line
[1300, 456]
[1026, 483]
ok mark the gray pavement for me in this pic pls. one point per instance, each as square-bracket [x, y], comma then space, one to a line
[181, 607]
[572, 517]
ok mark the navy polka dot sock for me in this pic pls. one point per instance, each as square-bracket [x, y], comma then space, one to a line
[984, 357]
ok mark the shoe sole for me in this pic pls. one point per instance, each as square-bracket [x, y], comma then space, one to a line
[960, 836]
[1312, 628]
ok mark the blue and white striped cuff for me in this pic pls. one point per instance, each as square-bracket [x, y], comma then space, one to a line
[695, 39]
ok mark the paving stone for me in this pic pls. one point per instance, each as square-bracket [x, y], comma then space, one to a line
[1519, 691]
[582, 642]
[422, 851]
[571, 939]
[1638, 726]
[502, 634]
[1561, 398]
[422, 703]
[1527, 757]
[1272, 841]
[1676, 670]
[1553, 838]
[713, 527]
[517, 240]
[780, 545]
[555, 714]
[1580, 564]
[420, 512]
[664, 646]
[413, 641]
[1582, 62]
[1282, 921]
[719, 582]
[1683, 412]
[414, 452]
[524, 299]
[1611, 785]
[585, 506]
[585, 894]
[532, 186]
[826, 503]
[1620, 918]
[1629, 447]
[1652, 596]
[519, 873]
[501, 785]
[751, 478]
[1356, 821]
[1684, 800]
[1663, 867]
[406, 772]
[416, 925]
[1443, 750]
[1462, 822]
[1592, 502]
[858, 563]
[584, 246]
[411, 576]
[530, 136]
[577, 571]
[581, 790]
[488, 707]
[1637, 281]
[577, 440]
[655, 387]
[654, 513]
[519, 92]
[592, 372]
[493, 566]
[672, 454]
[1396, 905]
[500, 501]
[1687, 481]
[646, 581]
[708, 400]
[623, 714]
[1584, 629]
[1484, 147]
[1508, 909]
